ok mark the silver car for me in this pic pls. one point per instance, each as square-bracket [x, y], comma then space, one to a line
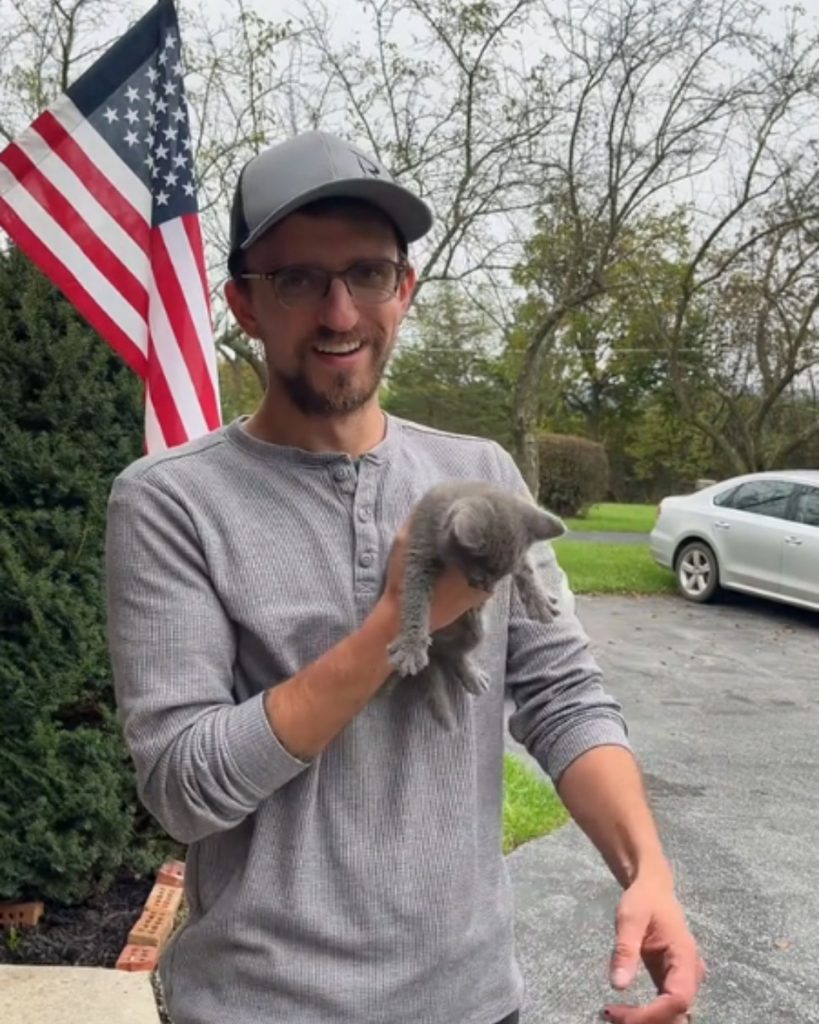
[758, 533]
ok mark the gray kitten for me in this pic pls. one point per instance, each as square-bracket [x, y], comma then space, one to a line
[486, 532]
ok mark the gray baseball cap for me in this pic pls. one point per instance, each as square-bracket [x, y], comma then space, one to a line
[311, 166]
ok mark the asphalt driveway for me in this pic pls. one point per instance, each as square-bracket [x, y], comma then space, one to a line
[723, 707]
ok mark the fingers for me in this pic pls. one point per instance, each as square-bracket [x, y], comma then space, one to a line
[665, 1009]
[631, 925]
[683, 977]
[684, 974]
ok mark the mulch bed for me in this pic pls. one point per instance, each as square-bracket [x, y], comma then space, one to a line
[89, 935]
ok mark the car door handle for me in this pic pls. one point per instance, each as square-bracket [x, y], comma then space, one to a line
[795, 541]
[722, 525]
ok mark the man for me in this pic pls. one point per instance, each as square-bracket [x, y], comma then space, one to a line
[344, 860]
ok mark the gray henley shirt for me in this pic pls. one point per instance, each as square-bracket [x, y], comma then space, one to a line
[366, 886]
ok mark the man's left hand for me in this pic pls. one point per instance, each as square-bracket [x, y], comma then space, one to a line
[651, 926]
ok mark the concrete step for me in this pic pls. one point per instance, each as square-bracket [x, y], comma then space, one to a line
[75, 995]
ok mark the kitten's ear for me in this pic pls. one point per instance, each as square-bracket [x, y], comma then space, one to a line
[541, 524]
[467, 520]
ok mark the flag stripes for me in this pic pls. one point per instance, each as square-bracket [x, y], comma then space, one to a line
[102, 200]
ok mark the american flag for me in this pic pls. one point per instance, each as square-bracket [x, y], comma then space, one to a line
[99, 192]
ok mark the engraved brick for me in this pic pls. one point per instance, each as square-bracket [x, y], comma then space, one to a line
[172, 872]
[138, 958]
[164, 899]
[20, 915]
[152, 929]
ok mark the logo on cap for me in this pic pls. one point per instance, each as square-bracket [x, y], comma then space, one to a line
[367, 166]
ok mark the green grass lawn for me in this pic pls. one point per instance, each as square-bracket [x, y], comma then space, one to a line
[531, 807]
[608, 517]
[595, 568]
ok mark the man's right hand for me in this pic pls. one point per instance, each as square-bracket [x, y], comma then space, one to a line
[308, 710]
[451, 597]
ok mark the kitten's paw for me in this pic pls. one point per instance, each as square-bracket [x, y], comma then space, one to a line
[471, 677]
[553, 605]
[408, 658]
[543, 607]
[476, 681]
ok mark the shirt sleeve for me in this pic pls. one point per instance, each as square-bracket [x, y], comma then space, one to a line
[203, 761]
[561, 708]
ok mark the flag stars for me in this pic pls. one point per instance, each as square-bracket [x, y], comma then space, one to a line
[147, 120]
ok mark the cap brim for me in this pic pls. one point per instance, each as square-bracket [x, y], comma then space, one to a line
[411, 215]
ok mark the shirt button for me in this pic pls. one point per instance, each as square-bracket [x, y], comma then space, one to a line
[341, 473]
[364, 513]
[366, 559]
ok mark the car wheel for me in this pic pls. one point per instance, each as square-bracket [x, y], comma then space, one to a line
[697, 572]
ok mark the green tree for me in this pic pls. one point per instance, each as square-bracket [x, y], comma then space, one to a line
[660, 92]
[444, 373]
[240, 389]
[664, 452]
[612, 343]
[749, 384]
[603, 353]
[608, 360]
[71, 418]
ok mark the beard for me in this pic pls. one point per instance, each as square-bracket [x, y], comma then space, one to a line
[348, 390]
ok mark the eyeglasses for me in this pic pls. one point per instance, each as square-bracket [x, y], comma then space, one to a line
[369, 282]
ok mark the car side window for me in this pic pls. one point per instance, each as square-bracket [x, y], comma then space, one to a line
[724, 497]
[807, 507]
[762, 497]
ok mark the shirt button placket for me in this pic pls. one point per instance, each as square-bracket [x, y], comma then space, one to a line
[344, 476]
[366, 534]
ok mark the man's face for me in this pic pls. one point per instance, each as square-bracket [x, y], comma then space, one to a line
[321, 382]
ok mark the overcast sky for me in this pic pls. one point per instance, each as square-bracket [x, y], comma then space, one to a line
[347, 21]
